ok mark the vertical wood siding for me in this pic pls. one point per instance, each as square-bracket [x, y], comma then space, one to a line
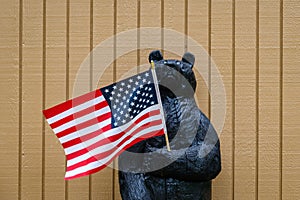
[255, 45]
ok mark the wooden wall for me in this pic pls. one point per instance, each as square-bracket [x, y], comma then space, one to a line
[255, 44]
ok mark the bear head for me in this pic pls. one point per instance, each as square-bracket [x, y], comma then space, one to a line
[175, 77]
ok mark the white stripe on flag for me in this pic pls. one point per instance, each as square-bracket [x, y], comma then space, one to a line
[82, 119]
[85, 131]
[106, 134]
[109, 146]
[113, 144]
[104, 161]
[76, 109]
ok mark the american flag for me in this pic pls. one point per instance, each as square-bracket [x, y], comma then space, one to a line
[97, 127]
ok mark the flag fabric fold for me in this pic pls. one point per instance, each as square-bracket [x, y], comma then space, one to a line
[98, 126]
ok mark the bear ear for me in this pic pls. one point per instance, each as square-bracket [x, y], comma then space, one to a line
[155, 56]
[188, 58]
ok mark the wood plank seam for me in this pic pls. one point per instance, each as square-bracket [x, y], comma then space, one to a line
[257, 101]
[114, 80]
[91, 74]
[233, 99]
[281, 102]
[44, 99]
[67, 73]
[209, 59]
[20, 98]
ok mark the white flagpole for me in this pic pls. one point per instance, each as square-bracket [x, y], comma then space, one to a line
[160, 104]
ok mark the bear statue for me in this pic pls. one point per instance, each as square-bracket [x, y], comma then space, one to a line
[194, 160]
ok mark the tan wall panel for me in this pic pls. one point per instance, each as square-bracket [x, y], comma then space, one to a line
[79, 50]
[243, 176]
[269, 100]
[197, 29]
[150, 16]
[126, 19]
[221, 52]
[291, 103]
[32, 100]
[9, 99]
[245, 100]
[103, 28]
[56, 87]
[174, 18]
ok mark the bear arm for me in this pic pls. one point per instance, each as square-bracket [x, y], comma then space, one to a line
[132, 186]
[192, 165]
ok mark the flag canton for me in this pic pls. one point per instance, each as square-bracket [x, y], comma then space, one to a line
[129, 97]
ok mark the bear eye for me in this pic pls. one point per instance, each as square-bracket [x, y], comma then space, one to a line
[184, 68]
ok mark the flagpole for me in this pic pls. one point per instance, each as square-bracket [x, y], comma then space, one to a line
[160, 104]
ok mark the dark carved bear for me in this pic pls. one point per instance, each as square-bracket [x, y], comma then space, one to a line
[194, 160]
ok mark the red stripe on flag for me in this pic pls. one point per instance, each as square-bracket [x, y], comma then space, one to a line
[86, 137]
[113, 139]
[146, 115]
[89, 160]
[83, 125]
[81, 113]
[153, 123]
[104, 129]
[160, 132]
[86, 173]
[72, 142]
[148, 135]
[76, 154]
[80, 152]
[118, 136]
[51, 112]
[96, 133]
